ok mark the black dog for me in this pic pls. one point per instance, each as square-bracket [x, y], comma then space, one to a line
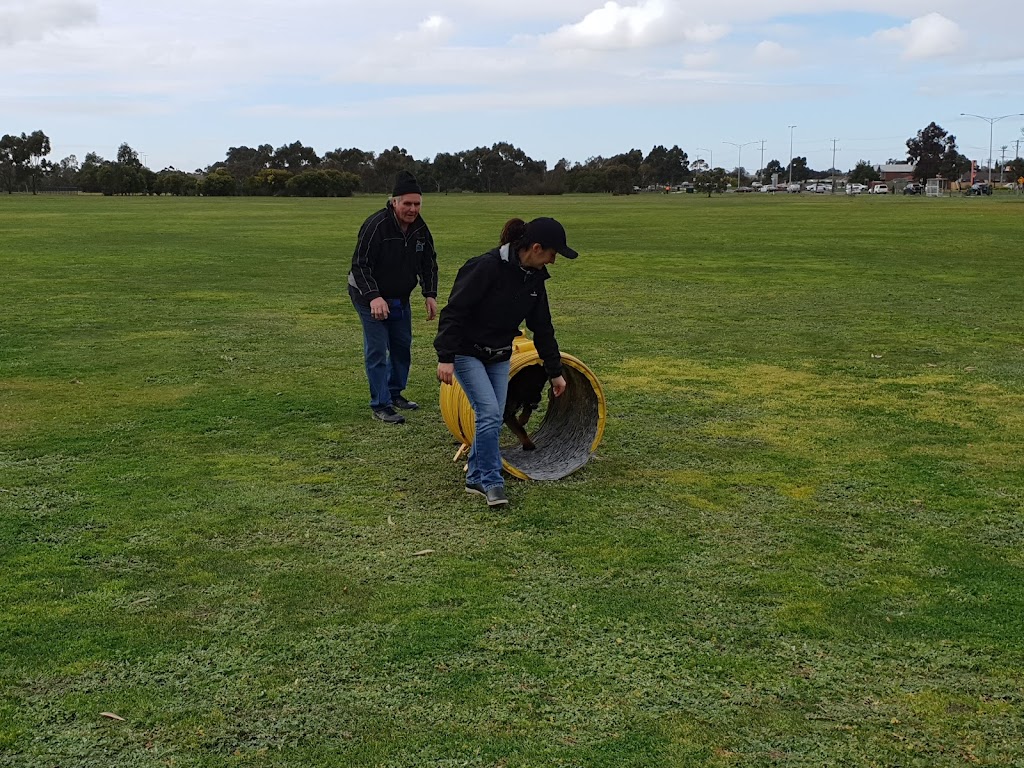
[524, 393]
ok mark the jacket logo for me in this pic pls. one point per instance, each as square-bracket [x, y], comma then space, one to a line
[419, 246]
[534, 294]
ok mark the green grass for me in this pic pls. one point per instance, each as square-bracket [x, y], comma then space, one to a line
[800, 543]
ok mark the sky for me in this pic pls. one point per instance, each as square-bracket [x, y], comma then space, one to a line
[726, 80]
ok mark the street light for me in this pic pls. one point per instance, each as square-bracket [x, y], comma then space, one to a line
[710, 152]
[791, 127]
[991, 121]
[739, 159]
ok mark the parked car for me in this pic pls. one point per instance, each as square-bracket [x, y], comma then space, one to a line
[979, 188]
[820, 188]
[769, 188]
[794, 187]
[744, 189]
[879, 189]
[855, 189]
[913, 188]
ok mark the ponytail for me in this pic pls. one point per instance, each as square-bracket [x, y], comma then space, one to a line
[513, 231]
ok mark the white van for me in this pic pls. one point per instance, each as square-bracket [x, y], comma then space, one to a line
[879, 189]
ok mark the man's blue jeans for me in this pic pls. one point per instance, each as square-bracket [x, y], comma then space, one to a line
[486, 387]
[387, 350]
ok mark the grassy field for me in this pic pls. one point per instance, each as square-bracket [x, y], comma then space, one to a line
[800, 543]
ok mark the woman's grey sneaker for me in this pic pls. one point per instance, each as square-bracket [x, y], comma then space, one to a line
[388, 415]
[406, 405]
[495, 495]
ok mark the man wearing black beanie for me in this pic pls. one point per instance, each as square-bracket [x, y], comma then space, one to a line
[395, 250]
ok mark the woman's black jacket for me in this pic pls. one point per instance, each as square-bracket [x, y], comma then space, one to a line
[491, 297]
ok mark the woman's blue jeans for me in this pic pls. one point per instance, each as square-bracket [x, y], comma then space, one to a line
[387, 351]
[486, 386]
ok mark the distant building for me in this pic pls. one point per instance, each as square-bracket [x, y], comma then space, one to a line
[896, 171]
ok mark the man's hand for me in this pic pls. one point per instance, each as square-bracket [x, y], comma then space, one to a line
[379, 309]
[431, 308]
[558, 385]
[446, 373]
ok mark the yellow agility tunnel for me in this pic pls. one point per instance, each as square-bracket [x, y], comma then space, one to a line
[568, 434]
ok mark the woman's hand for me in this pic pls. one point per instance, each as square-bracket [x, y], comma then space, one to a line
[558, 385]
[446, 373]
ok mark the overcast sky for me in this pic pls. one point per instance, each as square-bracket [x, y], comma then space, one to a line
[182, 81]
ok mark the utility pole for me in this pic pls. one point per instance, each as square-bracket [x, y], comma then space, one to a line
[791, 127]
[739, 158]
[1002, 161]
[834, 165]
[760, 173]
[991, 121]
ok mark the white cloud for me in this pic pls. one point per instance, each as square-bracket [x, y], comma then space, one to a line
[648, 24]
[770, 53]
[926, 37]
[700, 61]
[432, 31]
[34, 20]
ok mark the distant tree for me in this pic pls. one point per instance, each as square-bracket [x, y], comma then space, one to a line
[934, 153]
[664, 166]
[385, 167]
[268, 182]
[88, 174]
[11, 150]
[954, 166]
[633, 159]
[295, 157]
[588, 177]
[65, 172]
[1015, 168]
[448, 172]
[711, 180]
[621, 179]
[773, 167]
[800, 170]
[21, 160]
[351, 160]
[319, 183]
[37, 146]
[244, 162]
[864, 173]
[218, 183]
[174, 182]
[128, 156]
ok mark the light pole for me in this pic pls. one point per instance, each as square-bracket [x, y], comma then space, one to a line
[710, 152]
[791, 127]
[991, 121]
[739, 158]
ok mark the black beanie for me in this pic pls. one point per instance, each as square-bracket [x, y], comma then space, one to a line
[405, 184]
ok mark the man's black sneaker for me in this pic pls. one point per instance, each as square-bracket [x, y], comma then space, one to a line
[388, 415]
[495, 495]
[406, 405]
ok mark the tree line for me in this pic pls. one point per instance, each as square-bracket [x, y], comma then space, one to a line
[297, 170]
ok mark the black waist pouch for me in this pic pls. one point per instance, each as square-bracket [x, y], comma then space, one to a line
[489, 355]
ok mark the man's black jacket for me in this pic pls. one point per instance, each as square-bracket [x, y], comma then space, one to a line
[491, 296]
[387, 262]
